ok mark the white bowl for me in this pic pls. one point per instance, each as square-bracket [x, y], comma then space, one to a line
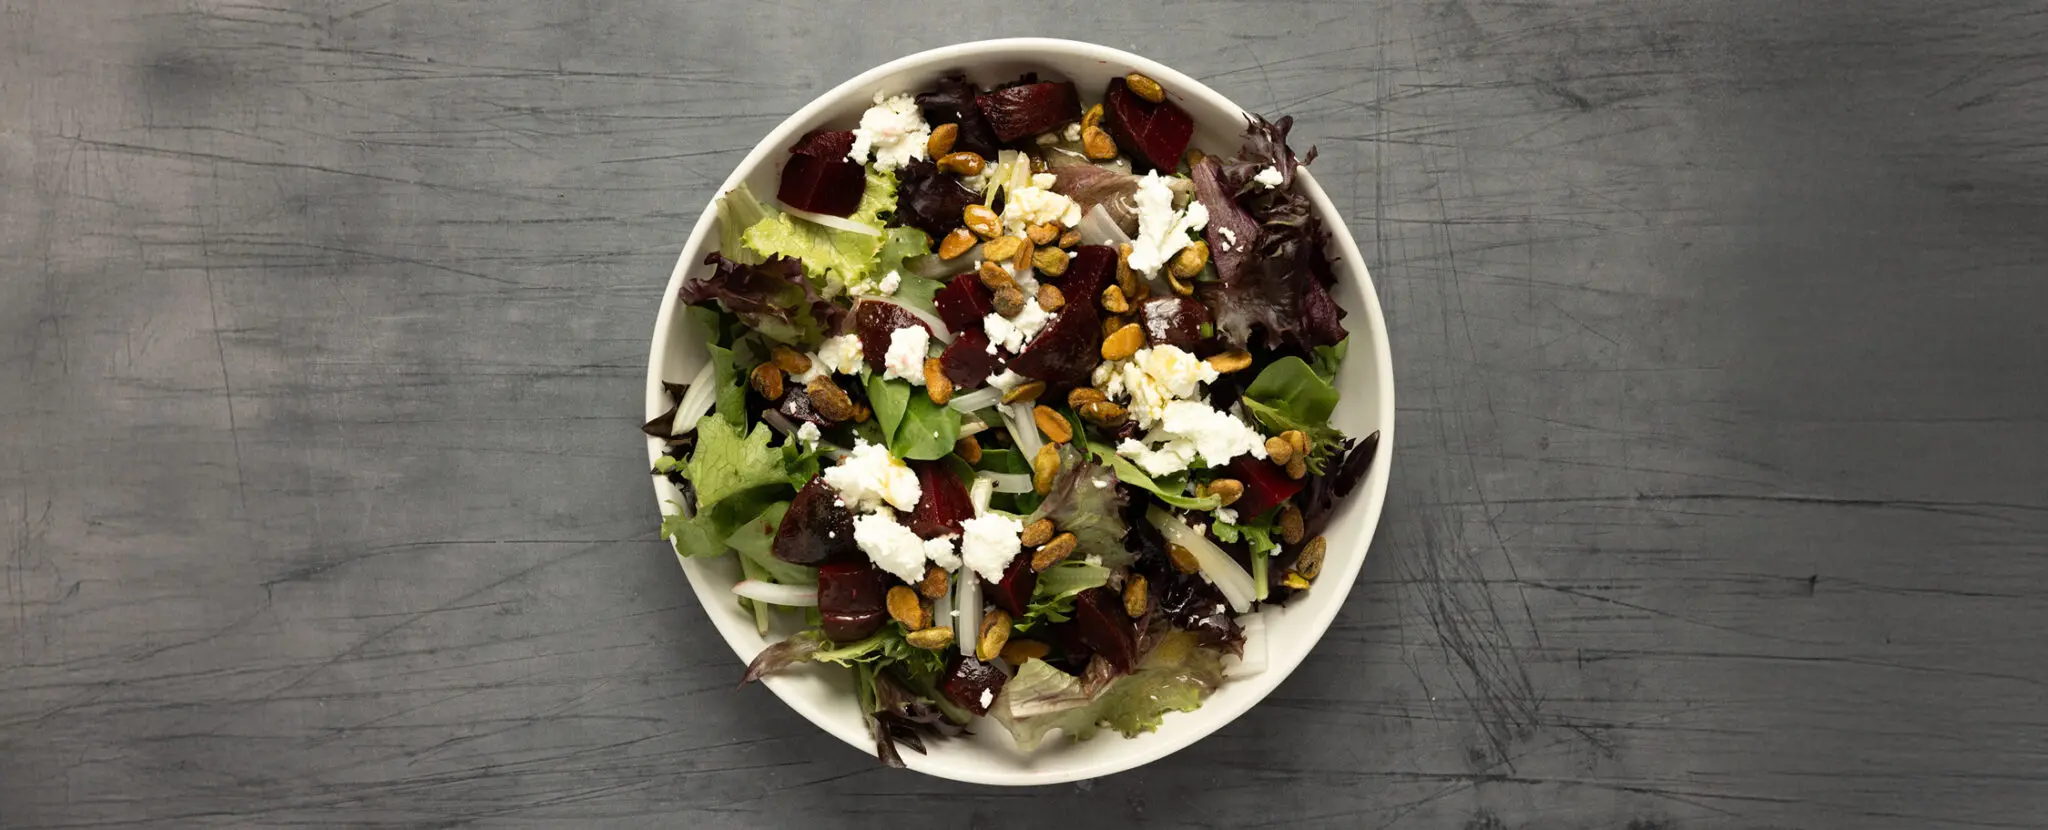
[825, 694]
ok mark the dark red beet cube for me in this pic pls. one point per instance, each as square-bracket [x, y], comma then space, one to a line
[972, 684]
[817, 529]
[1026, 110]
[1090, 271]
[1175, 321]
[818, 176]
[967, 361]
[1067, 350]
[1266, 485]
[943, 502]
[852, 600]
[875, 321]
[1013, 594]
[964, 302]
[1153, 135]
[1106, 629]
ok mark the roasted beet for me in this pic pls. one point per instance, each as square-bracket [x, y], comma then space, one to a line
[1265, 485]
[972, 684]
[1013, 594]
[796, 404]
[1153, 135]
[819, 178]
[967, 361]
[1064, 352]
[1026, 110]
[875, 321]
[943, 504]
[1106, 629]
[1090, 271]
[1074, 654]
[852, 599]
[817, 529]
[963, 303]
[951, 101]
[1175, 321]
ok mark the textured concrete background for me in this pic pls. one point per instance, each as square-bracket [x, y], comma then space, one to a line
[1719, 499]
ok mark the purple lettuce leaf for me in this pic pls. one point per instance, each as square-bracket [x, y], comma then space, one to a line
[773, 298]
[952, 101]
[929, 200]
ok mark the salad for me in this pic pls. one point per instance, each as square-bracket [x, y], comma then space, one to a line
[1017, 407]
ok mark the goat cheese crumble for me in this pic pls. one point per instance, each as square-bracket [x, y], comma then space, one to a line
[893, 131]
[908, 347]
[1162, 231]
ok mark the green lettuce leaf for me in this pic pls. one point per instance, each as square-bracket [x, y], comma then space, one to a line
[1170, 489]
[1328, 359]
[1053, 600]
[1085, 501]
[1175, 676]
[735, 477]
[889, 398]
[755, 541]
[898, 245]
[1290, 395]
[928, 430]
[843, 259]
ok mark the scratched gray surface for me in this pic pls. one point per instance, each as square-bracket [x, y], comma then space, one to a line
[1719, 499]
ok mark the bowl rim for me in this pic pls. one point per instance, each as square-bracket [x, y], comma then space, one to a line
[1280, 663]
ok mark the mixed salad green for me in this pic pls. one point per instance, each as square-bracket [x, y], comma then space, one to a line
[1014, 407]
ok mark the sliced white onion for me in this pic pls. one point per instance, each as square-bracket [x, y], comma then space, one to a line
[979, 493]
[976, 400]
[773, 594]
[1023, 430]
[696, 401]
[1011, 482]
[1217, 567]
[971, 425]
[939, 330]
[837, 223]
[1097, 228]
[1254, 659]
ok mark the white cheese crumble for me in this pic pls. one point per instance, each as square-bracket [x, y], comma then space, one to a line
[890, 282]
[891, 546]
[1109, 377]
[869, 478]
[1156, 377]
[943, 551]
[988, 696]
[893, 131]
[1229, 238]
[988, 542]
[1191, 430]
[1226, 515]
[1162, 231]
[1005, 380]
[1037, 204]
[837, 354]
[1013, 332]
[908, 347]
[1269, 178]
[1073, 132]
[807, 433]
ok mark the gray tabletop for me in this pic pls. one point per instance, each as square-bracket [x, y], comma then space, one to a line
[1719, 488]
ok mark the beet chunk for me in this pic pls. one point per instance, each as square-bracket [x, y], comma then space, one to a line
[964, 302]
[818, 176]
[817, 529]
[943, 504]
[1174, 321]
[970, 682]
[1266, 485]
[875, 321]
[1106, 629]
[1026, 110]
[1013, 594]
[1154, 135]
[851, 600]
[967, 362]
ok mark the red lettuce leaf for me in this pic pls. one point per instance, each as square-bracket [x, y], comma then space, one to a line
[929, 200]
[773, 298]
[952, 101]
